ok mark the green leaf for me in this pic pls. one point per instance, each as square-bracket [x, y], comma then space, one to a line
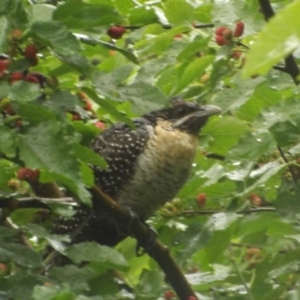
[94, 252]
[224, 133]
[194, 70]
[270, 48]
[179, 12]
[86, 16]
[3, 32]
[44, 147]
[8, 139]
[22, 91]
[145, 96]
[20, 254]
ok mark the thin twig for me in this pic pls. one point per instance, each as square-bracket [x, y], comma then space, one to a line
[232, 260]
[287, 162]
[211, 212]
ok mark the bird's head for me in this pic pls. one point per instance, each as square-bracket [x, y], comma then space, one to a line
[186, 116]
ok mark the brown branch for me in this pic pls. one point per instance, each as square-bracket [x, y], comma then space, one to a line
[211, 212]
[289, 166]
[291, 66]
[157, 251]
[197, 26]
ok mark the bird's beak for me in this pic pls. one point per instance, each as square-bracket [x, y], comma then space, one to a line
[199, 117]
[207, 111]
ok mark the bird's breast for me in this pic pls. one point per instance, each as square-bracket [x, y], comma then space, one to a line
[160, 171]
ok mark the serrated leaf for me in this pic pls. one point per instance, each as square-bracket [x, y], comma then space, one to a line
[20, 254]
[224, 133]
[43, 147]
[270, 48]
[22, 91]
[89, 156]
[194, 70]
[179, 12]
[8, 139]
[85, 16]
[3, 29]
[146, 97]
[34, 113]
[94, 252]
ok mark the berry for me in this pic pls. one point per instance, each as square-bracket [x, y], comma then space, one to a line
[236, 54]
[201, 200]
[17, 34]
[220, 30]
[4, 63]
[204, 78]
[100, 125]
[192, 298]
[220, 40]
[88, 106]
[227, 34]
[83, 96]
[30, 51]
[76, 117]
[13, 184]
[239, 29]
[116, 32]
[112, 52]
[31, 78]
[28, 174]
[16, 76]
[18, 123]
[178, 36]
[169, 295]
[255, 199]
[9, 110]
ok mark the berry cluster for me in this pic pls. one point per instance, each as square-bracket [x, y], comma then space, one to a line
[224, 35]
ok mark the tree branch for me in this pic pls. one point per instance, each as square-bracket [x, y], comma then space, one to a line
[157, 251]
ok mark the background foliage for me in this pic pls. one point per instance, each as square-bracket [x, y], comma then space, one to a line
[243, 240]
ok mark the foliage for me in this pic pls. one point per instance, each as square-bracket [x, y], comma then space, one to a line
[243, 241]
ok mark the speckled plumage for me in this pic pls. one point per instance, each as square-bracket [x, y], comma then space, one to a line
[147, 166]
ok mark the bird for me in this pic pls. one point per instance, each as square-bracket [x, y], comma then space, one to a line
[146, 167]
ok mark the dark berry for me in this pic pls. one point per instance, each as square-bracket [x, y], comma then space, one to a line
[220, 40]
[201, 200]
[239, 29]
[30, 51]
[116, 32]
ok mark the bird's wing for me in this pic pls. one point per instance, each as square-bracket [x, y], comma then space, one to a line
[120, 146]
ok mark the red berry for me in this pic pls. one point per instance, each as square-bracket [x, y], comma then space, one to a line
[18, 123]
[88, 106]
[16, 76]
[192, 298]
[220, 40]
[28, 174]
[255, 199]
[31, 78]
[9, 110]
[4, 63]
[239, 29]
[30, 51]
[201, 200]
[236, 54]
[17, 34]
[220, 30]
[169, 295]
[76, 117]
[116, 32]
[100, 125]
